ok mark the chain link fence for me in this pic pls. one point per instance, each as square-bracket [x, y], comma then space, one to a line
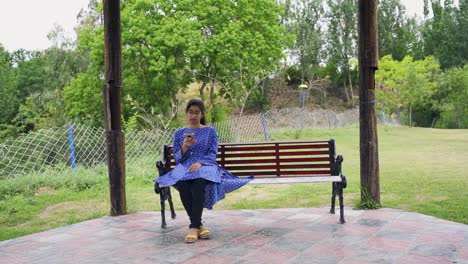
[65, 148]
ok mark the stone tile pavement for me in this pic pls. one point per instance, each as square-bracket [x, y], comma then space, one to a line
[292, 235]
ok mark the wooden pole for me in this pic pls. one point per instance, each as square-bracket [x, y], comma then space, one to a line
[368, 64]
[112, 91]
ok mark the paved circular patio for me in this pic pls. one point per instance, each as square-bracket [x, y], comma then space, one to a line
[292, 235]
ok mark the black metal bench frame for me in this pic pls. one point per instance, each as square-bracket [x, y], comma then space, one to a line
[273, 162]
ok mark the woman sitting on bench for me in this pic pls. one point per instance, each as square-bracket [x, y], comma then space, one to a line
[198, 178]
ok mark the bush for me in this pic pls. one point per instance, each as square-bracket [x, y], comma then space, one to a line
[78, 180]
[452, 119]
[293, 75]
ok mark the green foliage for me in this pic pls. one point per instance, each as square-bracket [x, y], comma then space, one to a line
[258, 100]
[342, 45]
[397, 32]
[366, 201]
[169, 44]
[406, 84]
[30, 72]
[77, 181]
[7, 132]
[41, 78]
[9, 99]
[304, 20]
[446, 33]
[229, 47]
[83, 99]
[451, 99]
[217, 113]
[293, 75]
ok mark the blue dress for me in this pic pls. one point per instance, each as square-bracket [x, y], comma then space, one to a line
[220, 181]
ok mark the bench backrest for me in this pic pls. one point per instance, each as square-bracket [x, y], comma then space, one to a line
[273, 159]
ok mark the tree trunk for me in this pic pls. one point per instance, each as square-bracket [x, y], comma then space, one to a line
[215, 74]
[112, 105]
[206, 78]
[175, 106]
[368, 57]
[350, 85]
[346, 92]
[202, 89]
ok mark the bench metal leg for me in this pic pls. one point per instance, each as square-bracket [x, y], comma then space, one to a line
[171, 204]
[340, 196]
[333, 198]
[163, 208]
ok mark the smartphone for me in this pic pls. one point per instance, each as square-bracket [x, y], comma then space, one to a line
[189, 135]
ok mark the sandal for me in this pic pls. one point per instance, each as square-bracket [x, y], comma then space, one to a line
[192, 235]
[203, 233]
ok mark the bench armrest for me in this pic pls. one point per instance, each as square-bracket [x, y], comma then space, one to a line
[336, 169]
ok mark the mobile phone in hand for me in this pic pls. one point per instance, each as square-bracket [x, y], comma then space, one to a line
[189, 135]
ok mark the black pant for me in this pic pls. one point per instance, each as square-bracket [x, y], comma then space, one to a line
[192, 194]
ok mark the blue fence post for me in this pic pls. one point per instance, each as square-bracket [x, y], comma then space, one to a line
[72, 147]
[264, 125]
[302, 108]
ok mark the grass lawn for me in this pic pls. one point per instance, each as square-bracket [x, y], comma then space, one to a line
[421, 170]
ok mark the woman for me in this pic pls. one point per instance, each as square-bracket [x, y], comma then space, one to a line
[198, 178]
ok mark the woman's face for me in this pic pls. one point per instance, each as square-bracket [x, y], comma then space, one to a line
[194, 115]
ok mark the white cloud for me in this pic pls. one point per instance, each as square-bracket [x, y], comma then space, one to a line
[26, 23]
[413, 7]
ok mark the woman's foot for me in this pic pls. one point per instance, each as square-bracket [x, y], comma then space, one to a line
[192, 235]
[203, 233]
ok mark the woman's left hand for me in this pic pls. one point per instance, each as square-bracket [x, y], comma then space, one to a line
[194, 167]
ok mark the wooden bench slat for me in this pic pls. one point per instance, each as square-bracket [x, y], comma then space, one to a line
[281, 167]
[283, 173]
[287, 160]
[266, 161]
[284, 142]
[280, 180]
[273, 147]
[270, 154]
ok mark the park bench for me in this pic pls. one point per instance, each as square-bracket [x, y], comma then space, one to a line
[303, 161]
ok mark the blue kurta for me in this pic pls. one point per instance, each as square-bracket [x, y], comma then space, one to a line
[220, 181]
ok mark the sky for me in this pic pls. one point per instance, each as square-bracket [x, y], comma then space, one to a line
[24, 24]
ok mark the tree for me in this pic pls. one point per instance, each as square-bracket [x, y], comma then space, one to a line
[462, 31]
[407, 83]
[9, 99]
[167, 45]
[30, 72]
[451, 98]
[445, 33]
[41, 78]
[342, 42]
[420, 82]
[304, 20]
[230, 34]
[397, 33]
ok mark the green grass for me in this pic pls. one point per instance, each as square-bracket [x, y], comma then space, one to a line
[421, 170]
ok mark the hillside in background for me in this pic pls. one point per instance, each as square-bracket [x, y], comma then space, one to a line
[322, 95]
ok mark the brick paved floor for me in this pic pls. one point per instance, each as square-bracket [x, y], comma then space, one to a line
[292, 235]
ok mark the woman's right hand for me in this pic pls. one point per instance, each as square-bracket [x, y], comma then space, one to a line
[189, 141]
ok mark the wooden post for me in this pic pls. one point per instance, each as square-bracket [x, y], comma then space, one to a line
[112, 91]
[368, 64]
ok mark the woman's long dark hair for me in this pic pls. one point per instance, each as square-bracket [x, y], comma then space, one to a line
[198, 102]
